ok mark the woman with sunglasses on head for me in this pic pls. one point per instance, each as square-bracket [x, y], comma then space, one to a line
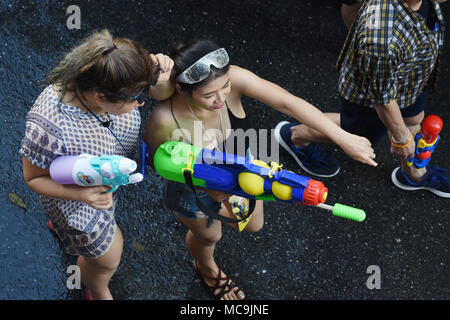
[89, 105]
[207, 96]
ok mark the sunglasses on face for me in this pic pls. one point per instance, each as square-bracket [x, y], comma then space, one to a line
[140, 97]
[143, 93]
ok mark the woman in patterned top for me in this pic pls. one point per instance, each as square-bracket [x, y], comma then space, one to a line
[89, 105]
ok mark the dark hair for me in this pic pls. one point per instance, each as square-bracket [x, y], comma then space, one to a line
[94, 66]
[185, 55]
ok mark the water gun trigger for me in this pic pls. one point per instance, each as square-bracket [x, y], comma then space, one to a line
[132, 179]
[274, 168]
[113, 188]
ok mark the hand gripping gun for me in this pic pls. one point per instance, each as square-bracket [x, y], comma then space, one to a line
[426, 140]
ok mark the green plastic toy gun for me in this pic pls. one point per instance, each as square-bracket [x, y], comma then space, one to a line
[236, 175]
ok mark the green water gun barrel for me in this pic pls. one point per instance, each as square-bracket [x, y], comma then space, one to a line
[344, 211]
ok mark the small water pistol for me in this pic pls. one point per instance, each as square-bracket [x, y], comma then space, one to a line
[87, 170]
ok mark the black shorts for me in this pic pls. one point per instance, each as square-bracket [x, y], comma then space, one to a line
[364, 121]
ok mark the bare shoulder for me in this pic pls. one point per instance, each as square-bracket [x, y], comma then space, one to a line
[161, 115]
[241, 78]
[159, 127]
[160, 123]
[237, 73]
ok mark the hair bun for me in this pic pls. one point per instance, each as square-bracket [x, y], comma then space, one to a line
[177, 49]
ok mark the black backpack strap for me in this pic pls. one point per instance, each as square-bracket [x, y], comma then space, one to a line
[206, 210]
[251, 206]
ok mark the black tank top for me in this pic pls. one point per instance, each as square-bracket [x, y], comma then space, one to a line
[237, 124]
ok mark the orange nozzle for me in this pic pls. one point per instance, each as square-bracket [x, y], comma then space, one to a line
[315, 193]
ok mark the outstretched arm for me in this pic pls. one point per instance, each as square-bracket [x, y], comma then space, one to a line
[249, 84]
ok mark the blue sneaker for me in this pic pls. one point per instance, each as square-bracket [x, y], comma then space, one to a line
[436, 180]
[312, 158]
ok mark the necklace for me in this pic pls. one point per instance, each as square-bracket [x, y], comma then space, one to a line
[105, 124]
[203, 129]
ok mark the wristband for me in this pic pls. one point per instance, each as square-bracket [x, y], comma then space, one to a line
[395, 143]
[399, 141]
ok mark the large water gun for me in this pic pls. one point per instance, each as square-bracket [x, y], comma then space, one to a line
[236, 175]
[88, 170]
[426, 140]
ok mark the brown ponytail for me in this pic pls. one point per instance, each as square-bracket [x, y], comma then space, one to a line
[93, 66]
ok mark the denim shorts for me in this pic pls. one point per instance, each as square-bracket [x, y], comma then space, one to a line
[178, 197]
[364, 121]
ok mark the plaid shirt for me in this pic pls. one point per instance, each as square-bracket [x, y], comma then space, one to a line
[389, 54]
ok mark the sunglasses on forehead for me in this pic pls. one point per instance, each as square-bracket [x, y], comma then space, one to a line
[201, 69]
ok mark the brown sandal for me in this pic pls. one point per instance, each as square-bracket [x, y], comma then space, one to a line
[228, 285]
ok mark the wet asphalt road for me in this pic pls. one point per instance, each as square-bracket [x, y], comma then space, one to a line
[301, 253]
